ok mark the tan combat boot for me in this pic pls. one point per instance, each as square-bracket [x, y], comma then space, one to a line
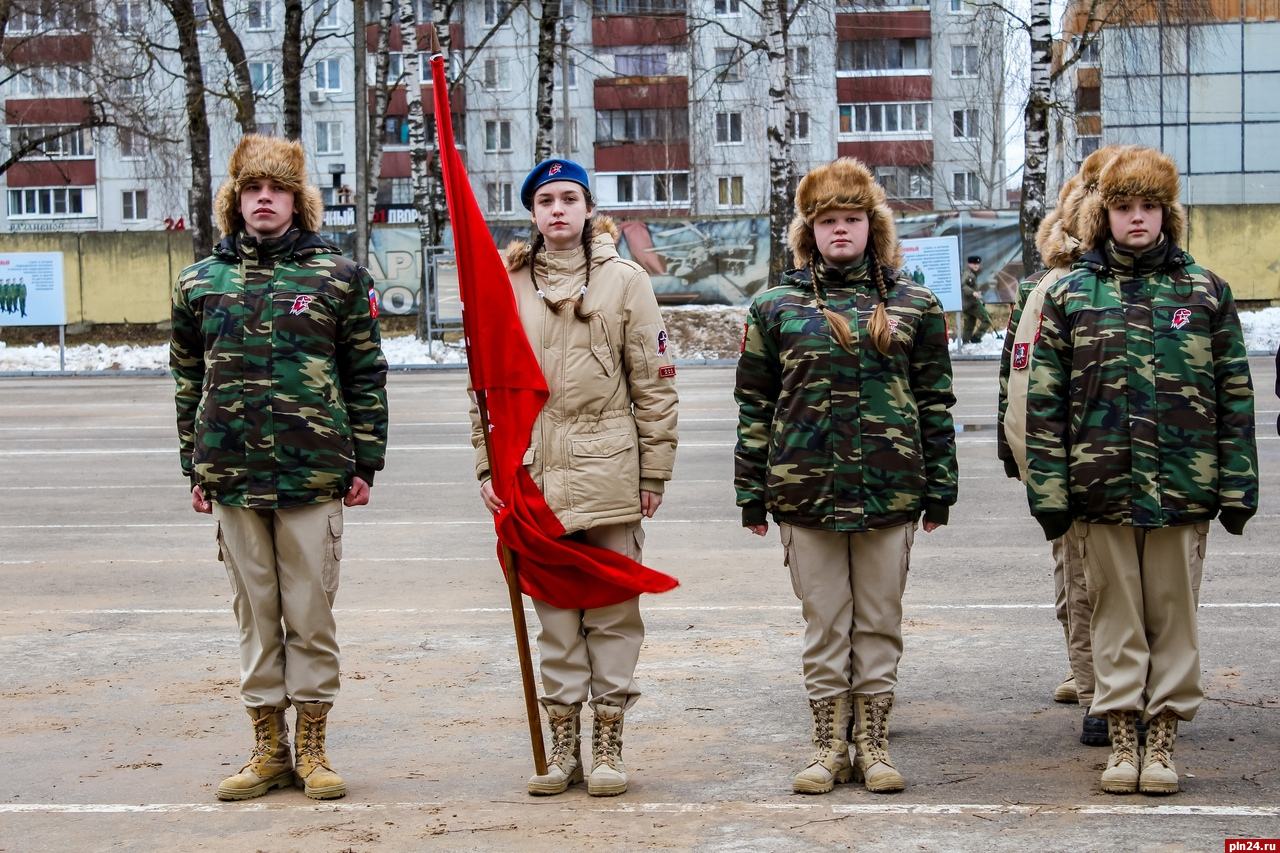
[564, 765]
[871, 762]
[1067, 692]
[608, 774]
[1159, 776]
[311, 771]
[830, 762]
[1121, 775]
[270, 765]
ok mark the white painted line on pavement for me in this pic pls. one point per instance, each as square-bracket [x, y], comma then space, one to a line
[925, 809]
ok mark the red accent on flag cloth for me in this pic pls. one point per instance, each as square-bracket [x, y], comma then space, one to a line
[559, 571]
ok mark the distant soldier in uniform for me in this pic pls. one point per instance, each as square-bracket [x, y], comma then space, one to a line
[282, 420]
[845, 436]
[1140, 431]
[977, 322]
[22, 296]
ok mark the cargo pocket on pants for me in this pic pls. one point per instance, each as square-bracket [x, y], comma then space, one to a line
[1095, 577]
[224, 557]
[332, 553]
[789, 560]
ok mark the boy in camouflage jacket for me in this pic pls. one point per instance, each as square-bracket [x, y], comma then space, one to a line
[845, 435]
[282, 419]
[1140, 431]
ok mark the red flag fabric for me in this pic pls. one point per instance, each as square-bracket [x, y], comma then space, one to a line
[506, 375]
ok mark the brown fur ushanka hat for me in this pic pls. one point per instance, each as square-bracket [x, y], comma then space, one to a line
[849, 185]
[1134, 171]
[1058, 238]
[283, 161]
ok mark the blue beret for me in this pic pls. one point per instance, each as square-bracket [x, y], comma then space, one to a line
[548, 171]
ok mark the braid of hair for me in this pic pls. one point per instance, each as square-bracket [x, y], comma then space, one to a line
[878, 325]
[534, 248]
[839, 326]
[588, 234]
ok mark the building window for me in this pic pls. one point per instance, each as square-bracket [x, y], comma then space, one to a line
[640, 64]
[730, 192]
[906, 181]
[640, 7]
[1088, 99]
[728, 64]
[68, 142]
[1091, 52]
[499, 197]
[133, 146]
[134, 204]
[728, 128]
[327, 17]
[557, 77]
[265, 128]
[641, 125]
[401, 191]
[647, 189]
[395, 67]
[497, 75]
[201, 10]
[799, 127]
[396, 131]
[496, 10]
[497, 136]
[1088, 145]
[263, 76]
[328, 137]
[964, 124]
[960, 7]
[558, 134]
[911, 117]
[882, 55]
[329, 75]
[728, 7]
[131, 15]
[51, 201]
[965, 186]
[964, 60]
[259, 14]
[45, 80]
[798, 62]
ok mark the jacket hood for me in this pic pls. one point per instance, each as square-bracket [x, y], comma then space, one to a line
[846, 184]
[516, 254]
[305, 245]
[1059, 239]
[1134, 171]
[282, 160]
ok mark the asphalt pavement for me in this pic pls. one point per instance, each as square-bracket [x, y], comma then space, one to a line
[118, 662]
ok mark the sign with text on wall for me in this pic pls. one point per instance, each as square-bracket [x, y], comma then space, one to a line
[935, 263]
[32, 290]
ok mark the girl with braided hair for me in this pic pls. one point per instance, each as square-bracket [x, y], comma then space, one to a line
[845, 436]
[601, 451]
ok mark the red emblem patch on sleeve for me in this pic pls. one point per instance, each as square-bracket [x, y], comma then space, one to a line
[1021, 356]
[662, 342]
[742, 347]
[373, 303]
[667, 371]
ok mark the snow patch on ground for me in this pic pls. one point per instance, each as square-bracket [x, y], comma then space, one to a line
[695, 332]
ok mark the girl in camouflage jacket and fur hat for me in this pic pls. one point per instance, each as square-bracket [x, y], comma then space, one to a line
[845, 436]
[1139, 432]
[601, 451]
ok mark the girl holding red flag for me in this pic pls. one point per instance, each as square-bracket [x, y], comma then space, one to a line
[601, 451]
[845, 436]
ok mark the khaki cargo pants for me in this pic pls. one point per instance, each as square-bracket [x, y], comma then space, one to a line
[592, 654]
[283, 565]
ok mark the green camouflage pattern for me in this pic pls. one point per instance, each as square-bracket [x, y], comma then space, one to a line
[1003, 451]
[1140, 406]
[280, 376]
[837, 440]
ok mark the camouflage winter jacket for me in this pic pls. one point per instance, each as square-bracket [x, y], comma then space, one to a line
[1140, 405]
[837, 440]
[281, 380]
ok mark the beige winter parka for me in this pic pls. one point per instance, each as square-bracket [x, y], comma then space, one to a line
[608, 429]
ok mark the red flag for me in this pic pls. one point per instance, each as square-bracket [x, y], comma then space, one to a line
[503, 369]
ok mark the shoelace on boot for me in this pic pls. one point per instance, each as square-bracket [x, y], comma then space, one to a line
[311, 742]
[1124, 747]
[607, 742]
[877, 724]
[823, 725]
[1160, 741]
[561, 738]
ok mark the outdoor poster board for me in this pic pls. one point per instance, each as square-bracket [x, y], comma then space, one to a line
[32, 290]
[935, 263]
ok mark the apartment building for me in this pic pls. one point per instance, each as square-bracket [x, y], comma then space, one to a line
[1204, 92]
[666, 100]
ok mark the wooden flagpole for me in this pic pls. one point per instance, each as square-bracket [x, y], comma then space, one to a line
[510, 569]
